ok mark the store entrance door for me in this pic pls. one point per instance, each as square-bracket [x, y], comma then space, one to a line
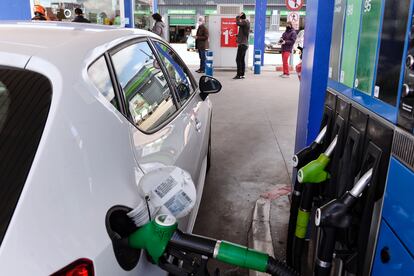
[179, 34]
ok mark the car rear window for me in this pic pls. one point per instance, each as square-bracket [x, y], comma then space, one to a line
[25, 99]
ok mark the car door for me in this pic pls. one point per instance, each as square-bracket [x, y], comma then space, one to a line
[162, 134]
[125, 175]
[195, 114]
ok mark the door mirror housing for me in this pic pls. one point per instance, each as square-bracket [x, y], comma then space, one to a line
[208, 85]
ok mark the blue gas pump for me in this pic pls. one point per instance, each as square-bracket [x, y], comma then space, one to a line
[369, 97]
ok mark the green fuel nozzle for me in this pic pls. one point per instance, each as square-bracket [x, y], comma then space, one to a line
[154, 236]
[314, 171]
[162, 233]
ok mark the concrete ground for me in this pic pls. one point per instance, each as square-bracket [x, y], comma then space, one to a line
[253, 133]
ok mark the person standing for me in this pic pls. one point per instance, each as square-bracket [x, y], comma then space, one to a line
[287, 41]
[79, 16]
[39, 12]
[159, 26]
[201, 43]
[242, 44]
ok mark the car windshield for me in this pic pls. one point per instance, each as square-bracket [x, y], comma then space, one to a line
[25, 99]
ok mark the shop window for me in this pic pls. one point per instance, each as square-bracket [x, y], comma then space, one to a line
[106, 12]
[178, 72]
[145, 88]
[142, 15]
[99, 74]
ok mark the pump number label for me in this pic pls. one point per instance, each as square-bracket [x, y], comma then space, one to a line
[367, 6]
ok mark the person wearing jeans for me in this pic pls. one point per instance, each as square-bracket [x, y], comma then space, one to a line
[242, 44]
[201, 43]
[288, 40]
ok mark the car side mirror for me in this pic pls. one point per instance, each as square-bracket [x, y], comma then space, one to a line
[208, 85]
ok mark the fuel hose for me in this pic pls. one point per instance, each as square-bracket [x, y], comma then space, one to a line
[160, 234]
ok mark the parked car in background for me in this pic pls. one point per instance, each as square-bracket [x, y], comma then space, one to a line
[85, 112]
[271, 42]
[191, 41]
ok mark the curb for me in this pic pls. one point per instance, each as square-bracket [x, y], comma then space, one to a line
[260, 237]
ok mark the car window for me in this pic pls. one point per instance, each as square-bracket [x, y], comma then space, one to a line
[99, 74]
[178, 72]
[25, 99]
[145, 88]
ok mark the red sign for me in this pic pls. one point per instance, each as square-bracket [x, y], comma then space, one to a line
[294, 5]
[228, 32]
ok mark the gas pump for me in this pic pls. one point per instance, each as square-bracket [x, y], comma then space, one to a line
[364, 222]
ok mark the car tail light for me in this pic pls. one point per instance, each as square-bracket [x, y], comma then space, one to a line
[81, 267]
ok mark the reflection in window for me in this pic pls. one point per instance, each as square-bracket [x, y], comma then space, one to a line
[99, 74]
[177, 72]
[25, 99]
[4, 104]
[145, 88]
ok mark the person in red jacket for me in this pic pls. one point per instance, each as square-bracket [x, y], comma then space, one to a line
[287, 41]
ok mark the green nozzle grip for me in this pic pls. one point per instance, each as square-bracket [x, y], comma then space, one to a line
[153, 238]
[242, 256]
[314, 172]
[302, 224]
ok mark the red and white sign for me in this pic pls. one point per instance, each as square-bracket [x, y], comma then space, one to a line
[228, 32]
[294, 5]
[294, 17]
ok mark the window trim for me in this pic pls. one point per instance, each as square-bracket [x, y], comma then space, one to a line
[192, 79]
[113, 78]
[120, 92]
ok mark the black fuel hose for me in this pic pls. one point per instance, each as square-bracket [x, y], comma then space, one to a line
[235, 255]
[278, 268]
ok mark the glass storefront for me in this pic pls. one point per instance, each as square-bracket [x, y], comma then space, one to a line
[106, 12]
[142, 14]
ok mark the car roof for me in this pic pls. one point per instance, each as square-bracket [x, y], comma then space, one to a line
[44, 39]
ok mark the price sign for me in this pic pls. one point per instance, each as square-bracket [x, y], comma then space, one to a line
[294, 5]
[228, 32]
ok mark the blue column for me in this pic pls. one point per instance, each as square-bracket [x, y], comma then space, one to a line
[129, 14]
[209, 63]
[315, 63]
[257, 61]
[154, 6]
[260, 26]
[15, 10]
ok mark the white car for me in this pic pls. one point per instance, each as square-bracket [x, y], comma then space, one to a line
[85, 112]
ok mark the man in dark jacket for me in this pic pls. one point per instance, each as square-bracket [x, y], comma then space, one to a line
[288, 40]
[79, 16]
[201, 43]
[242, 44]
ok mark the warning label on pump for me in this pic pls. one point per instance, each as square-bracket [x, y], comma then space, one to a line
[228, 32]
